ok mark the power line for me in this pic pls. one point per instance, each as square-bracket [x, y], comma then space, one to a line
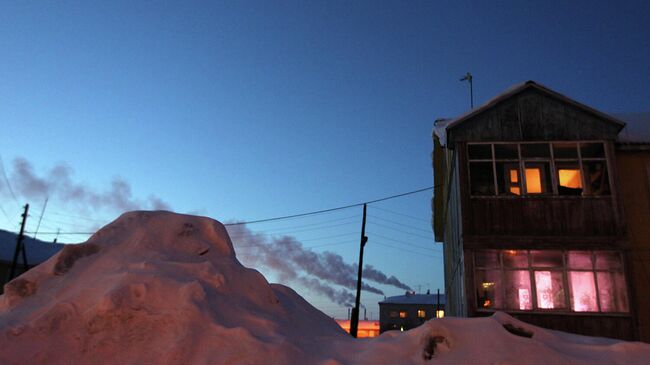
[4, 173]
[404, 215]
[331, 209]
[290, 230]
[282, 217]
[402, 225]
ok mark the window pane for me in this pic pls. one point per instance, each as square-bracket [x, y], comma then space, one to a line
[535, 150]
[596, 176]
[538, 177]
[579, 260]
[608, 260]
[565, 150]
[518, 293]
[422, 313]
[583, 291]
[569, 178]
[550, 290]
[479, 151]
[481, 178]
[487, 259]
[613, 293]
[488, 291]
[508, 178]
[547, 258]
[592, 150]
[506, 151]
[515, 259]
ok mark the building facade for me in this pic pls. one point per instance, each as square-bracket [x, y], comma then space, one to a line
[527, 203]
[404, 312]
[633, 163]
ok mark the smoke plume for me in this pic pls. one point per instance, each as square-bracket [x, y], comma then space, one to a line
[58, 183]
[317, 271]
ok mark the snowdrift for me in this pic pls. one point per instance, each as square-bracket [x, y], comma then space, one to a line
[165, 288]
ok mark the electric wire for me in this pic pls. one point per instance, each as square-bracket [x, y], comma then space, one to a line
[4, 174]
[331, 209]
[400, 224]
[403, 215]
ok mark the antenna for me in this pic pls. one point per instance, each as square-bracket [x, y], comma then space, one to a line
[468, 77]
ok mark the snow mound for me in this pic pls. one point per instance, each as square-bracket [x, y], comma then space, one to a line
[165, 288]
[155, 288]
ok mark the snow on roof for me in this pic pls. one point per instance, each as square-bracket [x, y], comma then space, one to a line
[165, 288]
[409, 298]
[440, 130]
[36, 251]
[637, 128]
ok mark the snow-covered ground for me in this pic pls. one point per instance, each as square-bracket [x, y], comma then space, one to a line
[164, 288]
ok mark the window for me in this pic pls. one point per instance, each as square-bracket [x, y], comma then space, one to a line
[440, 313]
[403, 314]
[393, 314]
[550, 280]
[533, 168]
[422, 313]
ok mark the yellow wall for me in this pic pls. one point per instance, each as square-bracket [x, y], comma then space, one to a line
[634, 177]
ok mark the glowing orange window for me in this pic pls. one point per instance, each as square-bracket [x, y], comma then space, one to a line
[570, 178]
[533, 180]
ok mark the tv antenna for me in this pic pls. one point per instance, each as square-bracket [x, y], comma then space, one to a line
[468, 77]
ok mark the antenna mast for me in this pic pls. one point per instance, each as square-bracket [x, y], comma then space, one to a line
[468, 77]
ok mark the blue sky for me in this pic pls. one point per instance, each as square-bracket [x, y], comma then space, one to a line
[248, 110]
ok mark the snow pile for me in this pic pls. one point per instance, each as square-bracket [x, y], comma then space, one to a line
[163, 288]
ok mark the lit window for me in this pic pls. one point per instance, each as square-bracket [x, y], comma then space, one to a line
[403, 314]
[537, 177]
[440, 313]
[422, 313]
[581, 281]
[550, 293]
[580, 168]
[583, 291]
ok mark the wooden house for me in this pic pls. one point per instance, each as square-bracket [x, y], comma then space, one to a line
[527, 203]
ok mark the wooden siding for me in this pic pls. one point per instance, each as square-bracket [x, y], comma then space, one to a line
[635, 194]
[533, 116]
[541, 216]
[619, 327]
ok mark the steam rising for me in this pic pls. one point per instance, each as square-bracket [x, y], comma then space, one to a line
[317, 271]
[58, 183]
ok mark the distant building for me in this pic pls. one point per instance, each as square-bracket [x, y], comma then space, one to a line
[366, 328]
[36, 252]
[544, 214]
[404, 312]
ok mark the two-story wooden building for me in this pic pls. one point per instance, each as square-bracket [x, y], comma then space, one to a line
[527, 204]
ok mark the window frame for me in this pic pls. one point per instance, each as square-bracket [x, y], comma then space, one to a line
[564, 269]
[551, 160]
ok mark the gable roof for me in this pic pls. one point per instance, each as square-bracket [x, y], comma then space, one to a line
[518, 89]
[442, 126]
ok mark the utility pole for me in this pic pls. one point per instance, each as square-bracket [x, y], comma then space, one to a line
[354, 321]
[20, 246]
[468, 78]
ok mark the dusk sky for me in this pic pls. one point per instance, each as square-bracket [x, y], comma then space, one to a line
[248, 110]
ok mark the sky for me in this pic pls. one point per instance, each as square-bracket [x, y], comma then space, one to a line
[248, 110]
